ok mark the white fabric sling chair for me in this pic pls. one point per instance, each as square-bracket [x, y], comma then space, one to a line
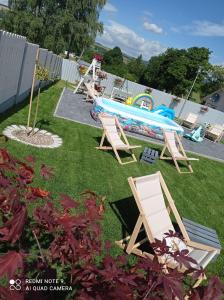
[174, 146]
[190, 121]
[114, 133]
[154, 219]
[215, 132]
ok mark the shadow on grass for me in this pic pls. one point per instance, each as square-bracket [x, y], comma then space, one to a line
[14, 109]
[181, 164]
[122, 153]
[42, 122]
[127, 213]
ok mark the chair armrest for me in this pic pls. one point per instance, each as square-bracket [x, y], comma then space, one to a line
[200, 246]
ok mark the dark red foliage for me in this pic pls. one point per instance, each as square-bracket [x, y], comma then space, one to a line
[25, 173]
[36, 192]
[7, 294]
[71, 241]
[46, 172]
[68, 202]
[46, 217]
[13, 227]
[10, 263]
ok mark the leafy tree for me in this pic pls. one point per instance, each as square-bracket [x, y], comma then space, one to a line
[175, 70]
[56, 25]
[214, 80]
[136, 68]
[113, 62]
[113, 57]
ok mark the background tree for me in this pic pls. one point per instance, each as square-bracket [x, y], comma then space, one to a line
[214, 80]
[136, 67]
[175, 70]
[113, 62]
[57, 25]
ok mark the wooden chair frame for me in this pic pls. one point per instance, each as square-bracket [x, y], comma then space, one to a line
[215, 137]
[129, 243]
[113, 147]
[189, 124]
[90, 98]
[174, 158]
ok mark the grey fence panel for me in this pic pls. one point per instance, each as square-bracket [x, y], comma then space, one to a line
[26, 74]
[11, 57]
[56, 67]
[212, 116]
[70, 71]
[48, 60]
[43, 57]
[52, 66]
[60, 67]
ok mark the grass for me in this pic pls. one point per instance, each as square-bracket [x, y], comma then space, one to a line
[79, 166]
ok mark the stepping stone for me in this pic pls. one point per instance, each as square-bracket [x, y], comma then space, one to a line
[149, 155]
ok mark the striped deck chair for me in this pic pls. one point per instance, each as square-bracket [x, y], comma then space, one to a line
[154, 219]
[175, 148]
[190, 121]
[114, 133]
[215, 132]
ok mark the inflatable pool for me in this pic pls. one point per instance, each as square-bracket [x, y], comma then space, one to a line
[134, 119]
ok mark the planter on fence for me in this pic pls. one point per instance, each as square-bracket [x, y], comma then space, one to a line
[204, 109]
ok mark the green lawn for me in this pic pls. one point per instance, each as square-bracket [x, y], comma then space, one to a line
[79, 166]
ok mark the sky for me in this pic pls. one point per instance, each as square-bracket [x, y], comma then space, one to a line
[5, 2]
[150, 27]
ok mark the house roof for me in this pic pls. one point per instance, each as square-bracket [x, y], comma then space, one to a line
[218, 92]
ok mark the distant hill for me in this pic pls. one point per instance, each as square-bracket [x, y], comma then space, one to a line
[101, 49]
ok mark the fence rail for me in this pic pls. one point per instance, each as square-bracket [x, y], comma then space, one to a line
[17, 60]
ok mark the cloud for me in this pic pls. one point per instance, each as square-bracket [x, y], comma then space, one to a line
[201, 28]
[152, 27]
[116, 34]
[110, 8]
[206, 28]
[147, 13]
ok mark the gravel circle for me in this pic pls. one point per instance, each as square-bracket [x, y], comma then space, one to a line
[37, 138]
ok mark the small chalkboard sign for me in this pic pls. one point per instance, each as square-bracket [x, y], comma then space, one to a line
[149, 155]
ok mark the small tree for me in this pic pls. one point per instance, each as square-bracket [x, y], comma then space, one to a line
[42, 74]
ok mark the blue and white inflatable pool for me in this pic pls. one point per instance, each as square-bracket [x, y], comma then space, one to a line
[134, 119]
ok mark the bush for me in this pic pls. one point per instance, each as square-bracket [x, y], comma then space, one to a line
[63, 241]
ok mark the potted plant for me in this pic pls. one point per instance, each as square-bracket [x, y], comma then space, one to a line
[176, 99]
[118, 82]
[98, 57]
[148, 90]
[204, 109]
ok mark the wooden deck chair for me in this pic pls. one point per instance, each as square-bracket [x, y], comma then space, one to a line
[174, 146]
[92, 93]
[113, 131]
[190, 121]
[154, 219]
[215, 132]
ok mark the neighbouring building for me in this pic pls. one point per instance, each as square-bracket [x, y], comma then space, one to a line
[215, 100]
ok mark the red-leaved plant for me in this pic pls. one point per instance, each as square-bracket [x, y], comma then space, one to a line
[62, 240]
